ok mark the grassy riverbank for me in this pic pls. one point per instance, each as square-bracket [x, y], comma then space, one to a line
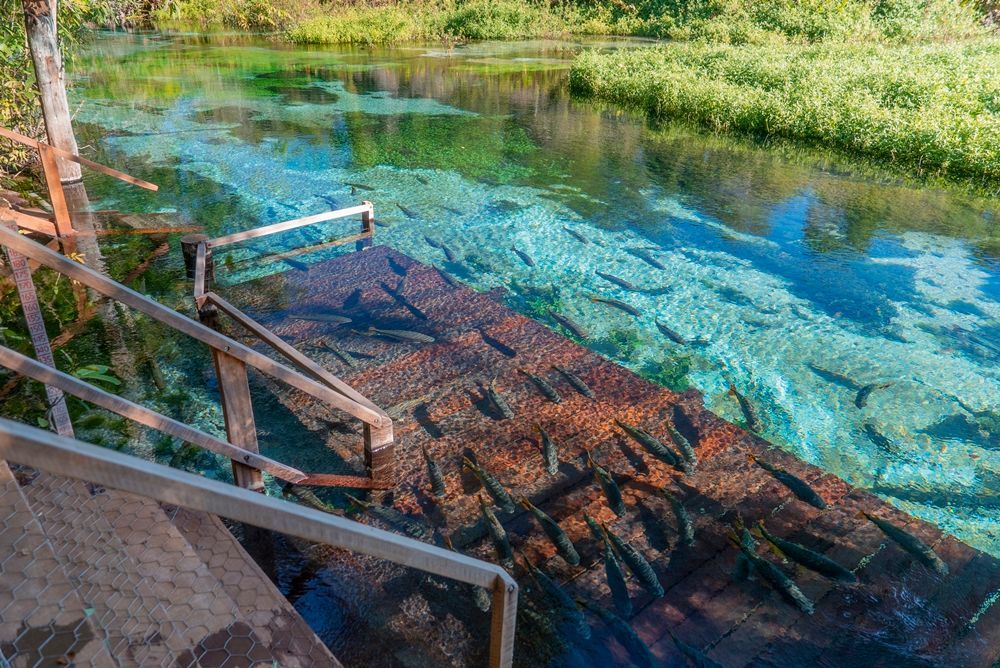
[930, 109]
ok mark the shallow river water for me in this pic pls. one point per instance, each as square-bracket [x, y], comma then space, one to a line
[793, 278]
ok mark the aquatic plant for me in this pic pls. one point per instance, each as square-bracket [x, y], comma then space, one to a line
[927, 108]
[671, 371]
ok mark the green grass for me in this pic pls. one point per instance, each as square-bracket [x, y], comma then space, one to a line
[930, 109]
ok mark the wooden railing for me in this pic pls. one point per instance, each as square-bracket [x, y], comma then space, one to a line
[231, 360]
[70, 458]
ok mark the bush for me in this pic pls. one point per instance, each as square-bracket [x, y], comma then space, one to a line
[930, 109]
[256, 16]
[364, 25]
[502, 20]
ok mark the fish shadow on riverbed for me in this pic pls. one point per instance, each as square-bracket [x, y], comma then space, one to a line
[653, 527]
[429, 506]
[482, 402]
[633, 457]
[423, 418]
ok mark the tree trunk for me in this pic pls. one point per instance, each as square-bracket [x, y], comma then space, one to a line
[39, 24]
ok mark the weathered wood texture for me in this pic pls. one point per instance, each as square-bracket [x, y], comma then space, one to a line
[900, 613]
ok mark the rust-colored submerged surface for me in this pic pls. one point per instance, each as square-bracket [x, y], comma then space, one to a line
[898, 613]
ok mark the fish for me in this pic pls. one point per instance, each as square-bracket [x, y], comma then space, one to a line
[800, 488]
[595, 528]
[501, 497]
[295, 264]
[525, 258]
[694, 655]
[566, 322]
[396, 267]
[392, 517]
[449, 254]
[671, 334]
[505, 553]
[309, 498]
[683, 445]
[322, 317]
[549, 453]
[496, 344]
[381, 223]
[608, 485]
[433, 243]
[636, 563]
[447, 278]
[620, 282]
[861, 398]
[616, 581]
[564, 546]
[421, 179]
[776, 577]
[575, 381]
[450, 209]
[616, 303]
[646, 256]
[556, 594]
[359, 186]
[878, 438]
[638, 650]
[801, 554]
[576, 235]
[409, 213]
[397, 296]
[403, 407]
[920, 550]
[342, 355]
[685, 527]
[743, 567]
[749, 412]
[498, 401]
[434, 474]
[482, 597]
[329, 200]
[654, 447]
[543, 386]
[399, 335]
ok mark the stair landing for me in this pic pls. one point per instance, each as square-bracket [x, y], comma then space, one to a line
[900, 613]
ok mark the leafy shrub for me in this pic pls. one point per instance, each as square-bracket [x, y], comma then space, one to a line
[364, 25]
[482, 19]
[256, 16]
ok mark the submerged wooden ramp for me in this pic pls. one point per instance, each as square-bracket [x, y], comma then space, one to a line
[900, 613]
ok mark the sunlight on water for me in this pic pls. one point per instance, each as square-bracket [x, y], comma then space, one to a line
[794, 284]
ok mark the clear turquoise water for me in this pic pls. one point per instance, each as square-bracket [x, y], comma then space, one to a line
[793, 277]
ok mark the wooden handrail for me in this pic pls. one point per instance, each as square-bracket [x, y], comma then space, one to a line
[43, 373]
[290, 353]
[289, 225]
[96, 166]
[70, 458]
[196, 330]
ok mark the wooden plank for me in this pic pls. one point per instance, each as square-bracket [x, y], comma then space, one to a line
[288, 351]
[196, 330]
[96, 166]
[503, 620]
[199, 272]
[58, 413]
[288, 225]
[57, 197]
[66, 383]
[305, 250]
[237, 409]
[81, 461]
[29, 222]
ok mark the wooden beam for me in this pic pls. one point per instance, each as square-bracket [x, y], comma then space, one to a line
[29, 222]
[72, 459]
[289, 352]
[199, 272]
[52, 377]
[74, 157]
[288, 225]
[196, 330]
[57, 196]
[295, 252]
[237, 409]
[503, 621]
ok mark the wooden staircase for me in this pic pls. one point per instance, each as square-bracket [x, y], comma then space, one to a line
[106, 578]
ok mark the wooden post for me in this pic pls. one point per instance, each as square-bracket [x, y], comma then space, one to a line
[39, 24]
[189, 247]
[368, 218]
[503, 622]
[380, 453]
[237, 408]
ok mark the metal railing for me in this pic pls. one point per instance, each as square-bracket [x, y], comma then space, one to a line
[72, 459]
